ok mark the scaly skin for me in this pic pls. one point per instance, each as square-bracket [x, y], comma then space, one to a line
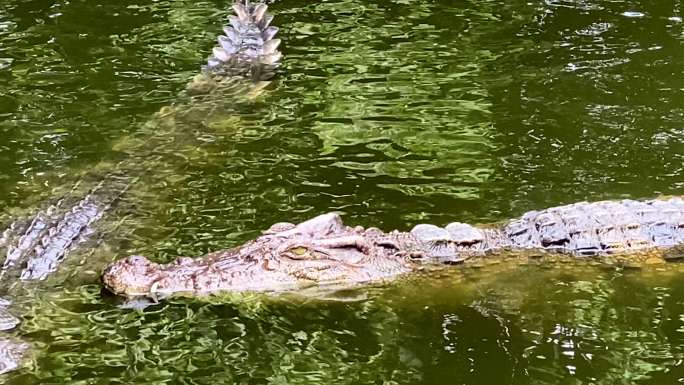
[286, 257]
[248, 50]
[323, 250]
[246, 56]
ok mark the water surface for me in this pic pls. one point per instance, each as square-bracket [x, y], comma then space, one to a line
[391, 112]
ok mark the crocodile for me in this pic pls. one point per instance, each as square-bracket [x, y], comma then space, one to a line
[322, 250]
[247, 49]
[245, 57]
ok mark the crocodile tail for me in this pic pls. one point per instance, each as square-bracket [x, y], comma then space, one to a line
[248, 47]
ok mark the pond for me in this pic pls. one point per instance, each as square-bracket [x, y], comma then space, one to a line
[390, 112]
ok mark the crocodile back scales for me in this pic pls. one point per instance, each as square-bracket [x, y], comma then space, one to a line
[33, 246]
[607, 227]
[38, 244]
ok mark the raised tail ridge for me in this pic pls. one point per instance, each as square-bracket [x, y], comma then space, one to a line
[248, 47]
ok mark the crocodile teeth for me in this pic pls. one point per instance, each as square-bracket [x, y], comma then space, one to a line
[221, 54]
[271, 46]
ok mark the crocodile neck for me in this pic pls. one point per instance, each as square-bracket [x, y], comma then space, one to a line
[580, 229]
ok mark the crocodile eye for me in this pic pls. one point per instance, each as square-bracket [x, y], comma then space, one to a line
[299, 253]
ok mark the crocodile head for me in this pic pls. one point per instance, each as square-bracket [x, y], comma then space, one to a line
[319, 251]
[131, 276]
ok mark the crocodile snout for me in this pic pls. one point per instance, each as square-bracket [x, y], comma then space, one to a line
[131, 276]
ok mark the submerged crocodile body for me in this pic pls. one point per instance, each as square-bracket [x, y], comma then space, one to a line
[323, 250]
[248, 50]
[34, 246]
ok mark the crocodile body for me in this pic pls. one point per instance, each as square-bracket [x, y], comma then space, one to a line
[248, 50]
[582, 229]
[323, 250]
[34, 246]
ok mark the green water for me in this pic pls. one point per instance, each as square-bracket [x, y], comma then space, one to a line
[392, 112]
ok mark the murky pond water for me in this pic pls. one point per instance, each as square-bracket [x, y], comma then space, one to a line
[392, 112]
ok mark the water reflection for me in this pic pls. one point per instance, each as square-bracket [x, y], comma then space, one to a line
[393, 112]
[76, 77]
[510, 323]
[599, 92]
[412, 116]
